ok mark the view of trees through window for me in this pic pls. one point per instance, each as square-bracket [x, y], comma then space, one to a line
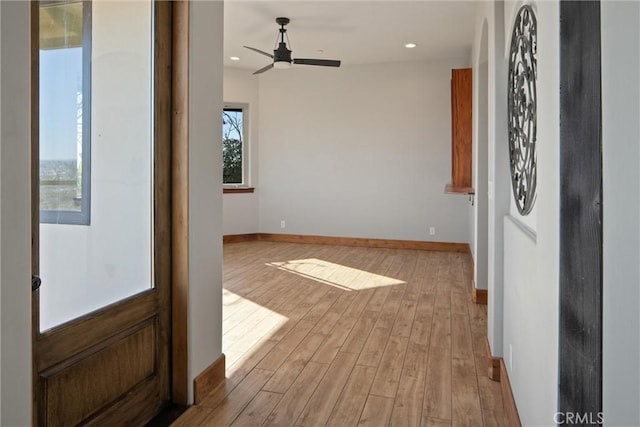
[232, 146]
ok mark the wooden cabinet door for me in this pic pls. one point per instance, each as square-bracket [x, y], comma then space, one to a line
[101, 211]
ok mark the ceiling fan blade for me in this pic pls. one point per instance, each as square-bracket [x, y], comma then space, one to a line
[263, 69]
[260, 51]
[320, 62]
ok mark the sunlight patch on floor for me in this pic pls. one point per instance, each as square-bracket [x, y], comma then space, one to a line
[246, 324]
[340, 276]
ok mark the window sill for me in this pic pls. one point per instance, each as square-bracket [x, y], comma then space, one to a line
[229, 190]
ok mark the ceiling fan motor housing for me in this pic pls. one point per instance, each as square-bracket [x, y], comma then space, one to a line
[282, 54]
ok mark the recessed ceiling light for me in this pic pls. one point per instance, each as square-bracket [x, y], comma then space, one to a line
[234, 58]
[410, 45]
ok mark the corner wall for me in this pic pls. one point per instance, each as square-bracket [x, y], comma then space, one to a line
[205, 182]
[479, 210]
[620, 23]
[15, 215]
[497, 186]
[1, 120]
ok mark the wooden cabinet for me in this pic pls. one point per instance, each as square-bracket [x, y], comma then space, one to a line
[461, 96]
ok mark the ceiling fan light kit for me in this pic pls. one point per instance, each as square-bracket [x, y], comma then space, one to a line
[282, 55]
[282, 65]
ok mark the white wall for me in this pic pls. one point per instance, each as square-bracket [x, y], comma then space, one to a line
[360, 151]
[479, 212]
[88, 267]
[621, 210]
[548, 214]
[1, 241]
[15, 216]
[523, 264]
[523, 303]
[498, 161]
[205, 182]
[240, 210]
[531, 307]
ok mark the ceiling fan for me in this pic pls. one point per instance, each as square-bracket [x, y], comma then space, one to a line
[282, 55]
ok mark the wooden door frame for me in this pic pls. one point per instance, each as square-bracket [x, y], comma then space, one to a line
[35, 196]
[580, 332]
[180, 204]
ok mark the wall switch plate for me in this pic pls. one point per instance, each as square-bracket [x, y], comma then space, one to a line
[432, 231]
[282, 224]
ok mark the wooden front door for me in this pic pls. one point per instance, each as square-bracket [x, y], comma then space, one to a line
[101, 211]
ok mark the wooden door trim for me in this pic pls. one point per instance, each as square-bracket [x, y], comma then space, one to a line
[180, 203]
[163, 185]
[35, 197]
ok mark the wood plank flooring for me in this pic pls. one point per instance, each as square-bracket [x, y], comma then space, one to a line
[320, 335]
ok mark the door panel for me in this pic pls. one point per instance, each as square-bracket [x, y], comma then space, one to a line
[111, 365]
[90, 383]
[77, 336]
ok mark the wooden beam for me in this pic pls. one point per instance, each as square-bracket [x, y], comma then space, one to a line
[580, 330]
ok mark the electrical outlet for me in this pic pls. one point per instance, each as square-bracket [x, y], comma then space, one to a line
[282, 224]
[432, 231]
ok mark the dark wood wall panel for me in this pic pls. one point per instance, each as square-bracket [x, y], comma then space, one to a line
[580, 334]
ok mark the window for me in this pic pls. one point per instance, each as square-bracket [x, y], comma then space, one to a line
[233, 172]
[65, 111]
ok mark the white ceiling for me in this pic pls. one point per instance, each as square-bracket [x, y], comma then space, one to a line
[356, 32]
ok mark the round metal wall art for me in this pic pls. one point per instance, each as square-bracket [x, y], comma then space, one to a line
[521, 109]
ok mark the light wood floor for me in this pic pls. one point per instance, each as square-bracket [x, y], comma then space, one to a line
[330, 335]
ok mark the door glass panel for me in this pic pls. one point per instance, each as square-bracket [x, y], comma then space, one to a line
[96, 187]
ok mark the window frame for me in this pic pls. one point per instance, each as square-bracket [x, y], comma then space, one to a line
[82, 217]
[244, 186]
